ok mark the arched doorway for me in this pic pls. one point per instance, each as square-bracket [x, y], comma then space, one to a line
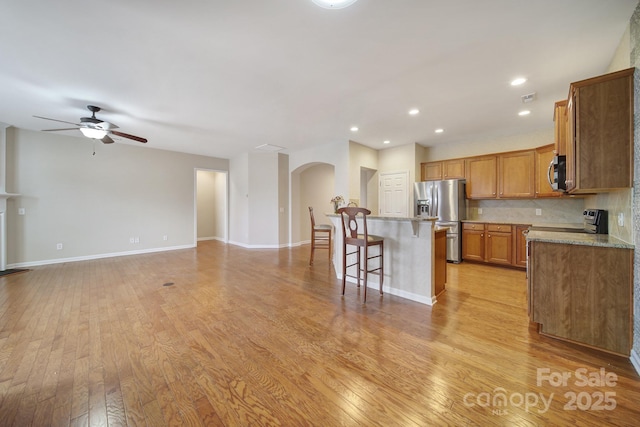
[312, 184]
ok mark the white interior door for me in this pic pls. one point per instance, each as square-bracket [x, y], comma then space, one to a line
[394, 194]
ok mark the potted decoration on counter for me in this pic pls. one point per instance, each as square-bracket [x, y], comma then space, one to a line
[337, 201]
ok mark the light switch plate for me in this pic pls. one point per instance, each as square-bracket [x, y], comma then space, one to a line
[538, 212]
[20, 211]
[620, 219]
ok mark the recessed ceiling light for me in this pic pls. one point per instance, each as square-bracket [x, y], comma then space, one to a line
[414, 111]
[354, 128]
[334, 4]
[518, 81]
[524, 113]
[439, 130]
[386, 142]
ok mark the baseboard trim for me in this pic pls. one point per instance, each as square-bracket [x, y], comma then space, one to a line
[246, 246]
[97, 256]
[203, 239]
[635, 360]
[394, 291]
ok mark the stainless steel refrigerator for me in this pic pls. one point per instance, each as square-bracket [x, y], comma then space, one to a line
[446, 201]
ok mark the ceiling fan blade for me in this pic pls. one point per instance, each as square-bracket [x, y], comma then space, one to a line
[56, 120]
[126, 135]
[53, 130]
[107, 140]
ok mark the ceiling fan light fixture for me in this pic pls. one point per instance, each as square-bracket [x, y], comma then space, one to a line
[334, 4]
[93, 133]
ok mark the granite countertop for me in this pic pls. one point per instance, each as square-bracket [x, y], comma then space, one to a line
[391, 218]
[578, 226]
[584, 239]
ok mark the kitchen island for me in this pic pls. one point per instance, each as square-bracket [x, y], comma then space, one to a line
[580, 287]
[409, 256]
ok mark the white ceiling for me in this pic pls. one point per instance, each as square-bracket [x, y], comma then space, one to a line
[221, 77]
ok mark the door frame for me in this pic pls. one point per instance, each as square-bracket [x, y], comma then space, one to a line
[225, 238]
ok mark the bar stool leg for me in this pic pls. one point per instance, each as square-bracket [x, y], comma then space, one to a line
[344, 267]
[313, 247]
[366, 271]
[381, 265]
[358, 266]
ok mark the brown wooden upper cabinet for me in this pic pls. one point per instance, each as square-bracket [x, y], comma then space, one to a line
[515, 174]
[600, 133]
[445, 169]
[560, 127]
[507, 175]
[431, 171]
[481, 177]
[544, 156]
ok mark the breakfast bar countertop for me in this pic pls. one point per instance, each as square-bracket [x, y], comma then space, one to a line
[392, 218]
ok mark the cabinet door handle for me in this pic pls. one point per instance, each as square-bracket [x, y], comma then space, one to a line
[481, 234]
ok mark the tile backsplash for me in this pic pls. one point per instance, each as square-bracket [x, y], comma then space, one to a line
[567, 210]
[553, 211]
[616, 203]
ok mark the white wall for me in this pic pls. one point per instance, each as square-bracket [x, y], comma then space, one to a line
[493, 145]
[257, 181]
[93, 204]
[283, 199]
[263, 200]
[239, 200]
[362, 158]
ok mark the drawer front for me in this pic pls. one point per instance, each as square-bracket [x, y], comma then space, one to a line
[472, 226]
[502, 228]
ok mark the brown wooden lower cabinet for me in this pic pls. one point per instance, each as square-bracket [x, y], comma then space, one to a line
[582, 294]
[520, 245]
[499, 244]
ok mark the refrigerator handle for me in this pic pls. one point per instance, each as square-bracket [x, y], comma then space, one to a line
[435, 198]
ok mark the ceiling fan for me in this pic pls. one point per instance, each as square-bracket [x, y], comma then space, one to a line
[94, 128]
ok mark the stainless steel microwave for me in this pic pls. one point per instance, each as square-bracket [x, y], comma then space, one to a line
[557, 173]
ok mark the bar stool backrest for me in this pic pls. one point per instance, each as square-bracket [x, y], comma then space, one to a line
[352, 233]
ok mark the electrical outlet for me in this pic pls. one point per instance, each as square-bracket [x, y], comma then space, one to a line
[165, 237]
[620, 219]
[20, 211]
[132, 240]
[137, 240]
[59, 246]
[538, 212]
[479, 211]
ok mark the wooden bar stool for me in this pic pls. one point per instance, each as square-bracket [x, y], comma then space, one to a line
[320, 236]
[362, 241]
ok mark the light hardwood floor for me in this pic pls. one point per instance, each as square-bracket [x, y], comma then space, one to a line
[258, 337]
